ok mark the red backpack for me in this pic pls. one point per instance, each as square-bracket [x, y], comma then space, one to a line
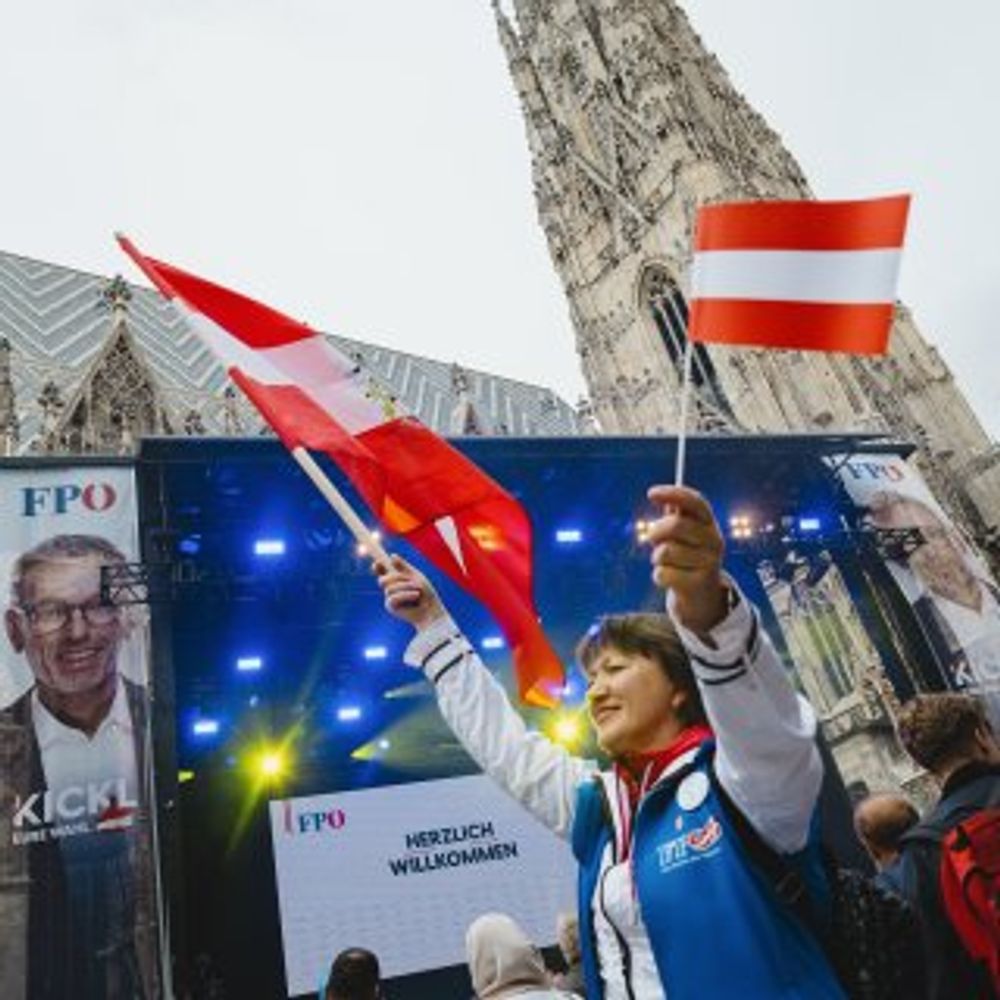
[970, 887]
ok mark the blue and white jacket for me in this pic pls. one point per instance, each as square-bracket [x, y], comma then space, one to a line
[687, 917]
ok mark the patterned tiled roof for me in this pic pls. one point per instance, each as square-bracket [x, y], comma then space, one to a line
[57, 322]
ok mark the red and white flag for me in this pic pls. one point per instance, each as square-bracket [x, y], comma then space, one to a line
[806, 275]
[416, 484]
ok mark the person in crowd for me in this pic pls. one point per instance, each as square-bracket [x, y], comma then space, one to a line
[568, 938]
[949, 735]
[880, 822]
[354, 975]
[696, 712]
[73, 751]
[504, 963]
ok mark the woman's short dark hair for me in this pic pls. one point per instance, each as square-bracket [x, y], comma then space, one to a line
[651, 635]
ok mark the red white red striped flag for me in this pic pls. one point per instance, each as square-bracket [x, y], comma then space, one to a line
[416, 484]
[806, 275]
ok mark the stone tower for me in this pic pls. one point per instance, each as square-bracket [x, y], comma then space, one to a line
[632, 124]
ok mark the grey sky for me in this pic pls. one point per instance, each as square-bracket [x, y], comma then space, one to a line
[361, 163]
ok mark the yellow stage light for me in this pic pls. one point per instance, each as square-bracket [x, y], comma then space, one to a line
[567, 730]
[271, 763]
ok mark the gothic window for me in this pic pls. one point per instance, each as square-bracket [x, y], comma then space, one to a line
[669, 312]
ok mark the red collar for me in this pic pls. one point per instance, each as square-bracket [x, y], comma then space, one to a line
[639, 772]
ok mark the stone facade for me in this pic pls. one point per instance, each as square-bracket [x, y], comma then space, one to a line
[632, 124]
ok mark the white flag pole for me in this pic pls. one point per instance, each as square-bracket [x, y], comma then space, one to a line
[685, 401]
[335, 498]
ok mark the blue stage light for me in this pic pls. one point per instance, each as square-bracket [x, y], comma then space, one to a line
[189, 546]
[569, 536]
[269, 547]
[249, 664]
[348, 713]
[375, 652]
[205, 727]
[492, 642]
[810, 524]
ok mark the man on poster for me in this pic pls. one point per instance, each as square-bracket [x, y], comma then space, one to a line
[956, 603]
[73, 756]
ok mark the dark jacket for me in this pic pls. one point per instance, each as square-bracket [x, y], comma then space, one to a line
[951, 973]
[38, 960]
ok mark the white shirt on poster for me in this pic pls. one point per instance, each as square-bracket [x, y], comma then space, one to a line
[72, 759]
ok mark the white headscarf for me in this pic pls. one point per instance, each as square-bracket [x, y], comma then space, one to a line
[502, 961]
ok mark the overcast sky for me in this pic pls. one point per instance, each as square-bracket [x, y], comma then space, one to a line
[361, 164]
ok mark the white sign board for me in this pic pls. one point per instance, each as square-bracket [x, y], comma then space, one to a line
[403, 870]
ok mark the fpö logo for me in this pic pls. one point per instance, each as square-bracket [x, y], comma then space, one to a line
[298, 821]
[67, 498]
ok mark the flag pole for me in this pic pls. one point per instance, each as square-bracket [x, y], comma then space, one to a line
[337, 501]
[685, 400]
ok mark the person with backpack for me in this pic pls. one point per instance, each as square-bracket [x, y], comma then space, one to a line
[697, 714]
[950, 861]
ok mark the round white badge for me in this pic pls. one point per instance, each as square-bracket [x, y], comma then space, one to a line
[693, 791]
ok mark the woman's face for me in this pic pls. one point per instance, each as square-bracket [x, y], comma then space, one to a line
[633, 705]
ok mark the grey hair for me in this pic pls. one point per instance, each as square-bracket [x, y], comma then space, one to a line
[56, 549]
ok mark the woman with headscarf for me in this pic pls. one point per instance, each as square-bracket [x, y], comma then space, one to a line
[504, 963]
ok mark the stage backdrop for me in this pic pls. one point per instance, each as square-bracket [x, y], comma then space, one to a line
[77, 900]
[404, 870]
[956, 602]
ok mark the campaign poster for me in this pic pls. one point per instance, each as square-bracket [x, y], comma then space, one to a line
[77, 885]
[403, 870]
[955, 600]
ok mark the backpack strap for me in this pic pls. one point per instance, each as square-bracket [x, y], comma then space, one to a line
[784, 878]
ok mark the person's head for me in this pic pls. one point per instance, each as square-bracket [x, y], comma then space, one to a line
[641, 692]
[568, 937]
[354, 975]
[880, 821]
[940, 560]
[56, 618]
[943, 732]
[502, 960]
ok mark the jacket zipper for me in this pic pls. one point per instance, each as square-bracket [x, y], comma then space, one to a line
[626, 954]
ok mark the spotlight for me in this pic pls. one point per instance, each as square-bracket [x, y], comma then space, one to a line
[384, 744]
[492, 642]
[375, 652]
[808, 525]
[362, 549]
[183, 777]
[269, 547]
[205, 727]
[189, 546]
[567, 730]
[642, 531]
[271, 764]
[569, 536]
[740, 526]
[249, 664]
[348, 713]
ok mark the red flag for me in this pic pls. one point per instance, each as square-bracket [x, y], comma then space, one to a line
[807, 275]
[416, 484]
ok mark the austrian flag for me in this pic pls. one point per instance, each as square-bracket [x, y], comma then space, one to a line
[416, 484]
[805, 275]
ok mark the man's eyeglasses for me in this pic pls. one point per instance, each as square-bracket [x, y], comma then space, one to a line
[50, 616]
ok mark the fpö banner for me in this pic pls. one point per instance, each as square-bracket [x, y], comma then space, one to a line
[77, 913]
[404, 870]
[955, 601]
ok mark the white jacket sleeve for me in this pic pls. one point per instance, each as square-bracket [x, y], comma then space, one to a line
[766, 753]
[543, 777]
